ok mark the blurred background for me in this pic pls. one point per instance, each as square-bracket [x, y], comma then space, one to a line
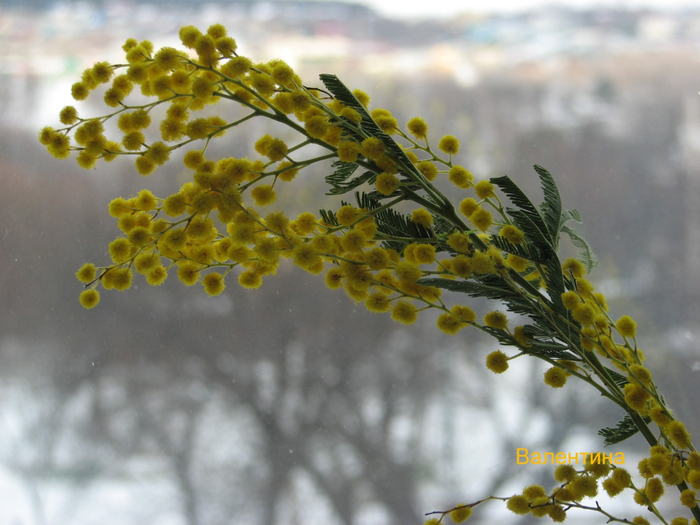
[290, 404]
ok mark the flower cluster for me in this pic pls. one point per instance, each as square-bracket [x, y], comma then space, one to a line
[220, 225]
[662, 468]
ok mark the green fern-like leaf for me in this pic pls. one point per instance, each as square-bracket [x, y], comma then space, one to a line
[585, 253]
[329, 217]
[525, 250]
[551, 207]
[570, 215]
[624, 429]
[523, 203]
[342, 171]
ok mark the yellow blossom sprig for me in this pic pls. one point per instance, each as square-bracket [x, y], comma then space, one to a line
[391, 261]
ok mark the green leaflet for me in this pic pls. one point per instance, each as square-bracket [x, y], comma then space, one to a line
[585, 252]
[624, 429]
[342, 172]
[551, 207]
[527, 216]
[525, 251]
[489, 287]
[344, 187]
[329, 217]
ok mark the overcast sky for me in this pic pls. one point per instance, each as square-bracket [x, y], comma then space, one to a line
[447, 8]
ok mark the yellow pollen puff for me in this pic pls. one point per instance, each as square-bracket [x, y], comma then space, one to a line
[387, 183]
[461, 513]
[121, 278]
[85, 160]
[146, 201]
[407, 272]
[533, 492]
[424, 254]
[468, 206]
[626, 326]
[250, 280]
[484, 190]
[678, 434]
[288, 174]
[481, 263]
[333, 135]
[497, 362]
[404, 312]
[387, 123]
[459, 242]
[377, 258]
[481, 219]
[334, 278]
[79, 91]
[571, 300]
[378, 302]
[565, 473]
[276, 150]
[659, 416]
[119, 207]
[518, 505]
[450, 324]
[263, 195]
[654, 489]
[133, 140]
[188, 35]
[305, 223]
[119, 250]
[372, 148]
[354, 240]
[139, 236]
[422, 217]
[145, 261]
[461, 177]
[213, 283]
[175, 205]
[352, 115]
[323, 244]
[449, 144]
[555, 377]
[428, 169]
[361, 96]
[584, 313]
[86, 273]
[642, 374]
[611, 487]
[513, 234]
[283, 74]
[305, 256]
[418, 127]
[89, 298]
[496, 319]
[316, 127]
[693, 479]
[688, 498]
[348, 151]
[68, 115]
[574, 267]
[693, 461]
[636, 397]
[347, 215]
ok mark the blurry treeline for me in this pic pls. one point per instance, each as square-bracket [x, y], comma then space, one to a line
[290, 404]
